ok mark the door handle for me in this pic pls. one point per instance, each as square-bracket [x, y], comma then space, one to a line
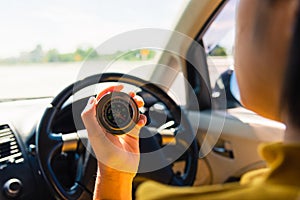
[223, 148]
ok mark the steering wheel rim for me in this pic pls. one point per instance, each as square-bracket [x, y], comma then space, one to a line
[49, 143]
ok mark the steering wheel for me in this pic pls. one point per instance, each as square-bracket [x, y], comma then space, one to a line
[50, 144]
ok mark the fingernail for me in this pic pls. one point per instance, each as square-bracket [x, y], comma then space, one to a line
[141, 122]
[119, 87]
[91, 100]
[132, 94]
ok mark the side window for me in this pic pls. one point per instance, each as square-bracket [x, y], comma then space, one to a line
[218, 42]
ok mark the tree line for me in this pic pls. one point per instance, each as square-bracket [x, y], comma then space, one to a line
[38, 55]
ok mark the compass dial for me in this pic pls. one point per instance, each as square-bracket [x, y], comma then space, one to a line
[117, 112]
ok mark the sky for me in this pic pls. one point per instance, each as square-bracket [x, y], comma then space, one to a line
[66, 25]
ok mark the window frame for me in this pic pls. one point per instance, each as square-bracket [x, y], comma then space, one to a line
[199, 83]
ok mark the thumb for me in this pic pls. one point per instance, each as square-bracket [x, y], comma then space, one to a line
[89, 111]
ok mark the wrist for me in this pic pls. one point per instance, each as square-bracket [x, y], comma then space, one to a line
[112, 176]
[107, 171]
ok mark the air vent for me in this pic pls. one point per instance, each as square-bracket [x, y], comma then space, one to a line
[9, 148]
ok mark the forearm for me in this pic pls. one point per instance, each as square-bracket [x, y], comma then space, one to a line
[112, 184]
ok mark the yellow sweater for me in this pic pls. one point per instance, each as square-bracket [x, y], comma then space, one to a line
[281, 180]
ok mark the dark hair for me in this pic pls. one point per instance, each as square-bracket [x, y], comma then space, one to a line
[291, 86]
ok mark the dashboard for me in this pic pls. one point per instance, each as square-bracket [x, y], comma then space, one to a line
[20, 177]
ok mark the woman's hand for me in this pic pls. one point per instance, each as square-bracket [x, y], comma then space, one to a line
[118, 156]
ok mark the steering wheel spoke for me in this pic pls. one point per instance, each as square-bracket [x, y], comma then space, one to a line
[70, 142]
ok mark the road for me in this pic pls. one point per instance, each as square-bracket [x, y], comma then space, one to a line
[38, 80]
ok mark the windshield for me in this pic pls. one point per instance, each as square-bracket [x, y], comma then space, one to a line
[44, 43]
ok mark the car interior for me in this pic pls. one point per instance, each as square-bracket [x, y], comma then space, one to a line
[192, 108]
